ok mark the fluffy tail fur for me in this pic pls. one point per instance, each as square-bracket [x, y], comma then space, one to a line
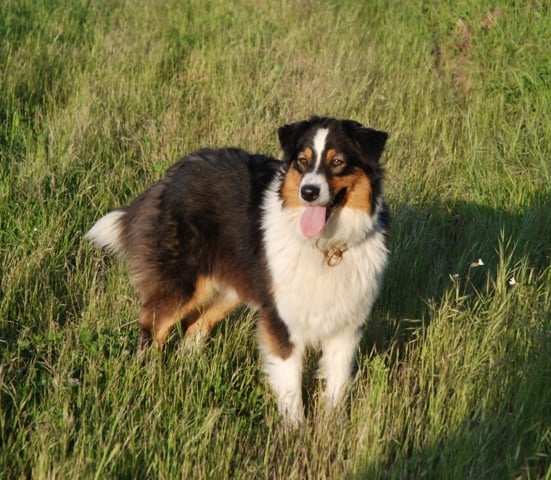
[107, 232]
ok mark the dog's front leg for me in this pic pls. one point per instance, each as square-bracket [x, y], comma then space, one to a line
[283, 367]
[285, 378]
[336, 363]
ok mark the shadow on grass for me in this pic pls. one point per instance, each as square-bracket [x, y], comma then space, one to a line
[509, 437]
[434, 241]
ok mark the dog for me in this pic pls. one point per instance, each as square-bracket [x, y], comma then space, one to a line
[302, 240]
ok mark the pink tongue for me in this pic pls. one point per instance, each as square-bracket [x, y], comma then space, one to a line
[312, 221]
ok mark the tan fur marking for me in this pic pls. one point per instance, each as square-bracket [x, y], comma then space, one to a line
[331, 153]
[290, 189]
[358, 190]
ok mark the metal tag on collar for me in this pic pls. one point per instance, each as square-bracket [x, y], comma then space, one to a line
[333, 255]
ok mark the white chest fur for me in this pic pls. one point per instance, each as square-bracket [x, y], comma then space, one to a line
[314, 299]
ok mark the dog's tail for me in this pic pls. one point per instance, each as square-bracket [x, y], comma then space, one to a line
[107, 232]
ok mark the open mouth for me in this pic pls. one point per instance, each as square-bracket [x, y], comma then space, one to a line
[315, 217]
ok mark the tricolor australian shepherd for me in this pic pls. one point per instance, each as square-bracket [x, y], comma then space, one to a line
[302, 240]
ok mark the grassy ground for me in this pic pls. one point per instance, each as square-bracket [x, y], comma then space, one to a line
[98, 98]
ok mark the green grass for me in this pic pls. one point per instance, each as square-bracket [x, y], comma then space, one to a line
[98, 98]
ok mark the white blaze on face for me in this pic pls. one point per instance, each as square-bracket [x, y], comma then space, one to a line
[319, 145]
[315, 178]
[314, 217]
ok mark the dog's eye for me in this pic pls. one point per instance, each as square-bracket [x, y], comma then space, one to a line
[338, 163]
[302, 160]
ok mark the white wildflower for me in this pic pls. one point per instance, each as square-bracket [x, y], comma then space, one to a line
[478, 263]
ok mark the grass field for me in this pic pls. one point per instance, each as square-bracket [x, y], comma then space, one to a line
[98, 98]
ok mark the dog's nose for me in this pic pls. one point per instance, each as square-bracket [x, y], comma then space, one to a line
[310, 192]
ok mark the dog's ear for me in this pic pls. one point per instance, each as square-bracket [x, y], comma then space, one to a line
[371, 142]
[290, 133]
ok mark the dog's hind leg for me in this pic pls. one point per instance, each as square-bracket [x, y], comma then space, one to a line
[157, 318]
[199, 324]
[161, 311]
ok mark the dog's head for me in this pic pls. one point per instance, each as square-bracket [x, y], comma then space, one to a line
[330, 164]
